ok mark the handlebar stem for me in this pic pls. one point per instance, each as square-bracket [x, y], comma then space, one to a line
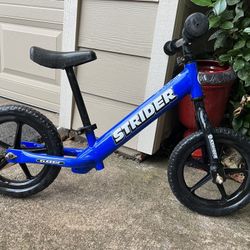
[187, 52]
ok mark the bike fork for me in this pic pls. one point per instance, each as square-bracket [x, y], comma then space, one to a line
[203, 123]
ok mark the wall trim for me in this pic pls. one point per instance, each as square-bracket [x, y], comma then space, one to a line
[149, 139]
[68, 44]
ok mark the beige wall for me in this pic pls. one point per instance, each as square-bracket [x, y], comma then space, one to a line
[121, 33]
[23, 24]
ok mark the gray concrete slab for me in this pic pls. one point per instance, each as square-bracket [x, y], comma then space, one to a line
[129, 205]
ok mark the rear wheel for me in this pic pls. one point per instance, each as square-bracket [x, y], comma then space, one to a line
[20, 125]
[191, 181]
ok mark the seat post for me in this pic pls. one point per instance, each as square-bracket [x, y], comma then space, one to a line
[88, 128]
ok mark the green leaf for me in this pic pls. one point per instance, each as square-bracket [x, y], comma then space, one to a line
[224, 58]
[246, 22]
[243, 131]
[228, 15]
[248, 44]
[246, 54]
[239, 12]
[234, 52]
[220, 41]
[247, 82]
[243, 74]
[214, 21]
[215, 35]
[237, 123]
[247, 30]
[232, 2]
[247, 67]
[240, 44]
[202, 2]
[220, 6]
[233, 31]
[238, 64]
[246, 124]
[227, 25]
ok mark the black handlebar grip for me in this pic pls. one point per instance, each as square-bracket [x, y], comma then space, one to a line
[195, 26]
[169, 48]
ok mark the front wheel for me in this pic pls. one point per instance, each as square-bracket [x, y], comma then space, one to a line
[190, 179]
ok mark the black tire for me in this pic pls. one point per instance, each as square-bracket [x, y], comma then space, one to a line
[19, 118]
[183, 166]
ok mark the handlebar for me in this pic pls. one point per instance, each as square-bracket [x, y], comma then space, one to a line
[195, 26]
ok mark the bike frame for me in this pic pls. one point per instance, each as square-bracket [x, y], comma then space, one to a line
[83, 160]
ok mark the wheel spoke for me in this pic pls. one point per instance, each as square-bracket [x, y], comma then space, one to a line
[3, 163]
[222, 191]
[26, 171]
[201, 182]
[18, 135]
[235, 171]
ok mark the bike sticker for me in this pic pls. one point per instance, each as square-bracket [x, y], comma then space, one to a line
[50, 162]
[142, 116]
[213, 148]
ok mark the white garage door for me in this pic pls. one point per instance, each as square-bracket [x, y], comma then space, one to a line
[24, 24]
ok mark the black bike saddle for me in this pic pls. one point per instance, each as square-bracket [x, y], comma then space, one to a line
[60, 60]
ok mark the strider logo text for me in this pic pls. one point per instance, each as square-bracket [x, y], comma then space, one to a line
[145, 114]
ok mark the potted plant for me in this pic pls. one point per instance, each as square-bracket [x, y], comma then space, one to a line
[230, 21]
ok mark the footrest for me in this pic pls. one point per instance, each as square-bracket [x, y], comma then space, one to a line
[85, 129]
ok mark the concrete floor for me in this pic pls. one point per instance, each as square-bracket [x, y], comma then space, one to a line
[126, 206]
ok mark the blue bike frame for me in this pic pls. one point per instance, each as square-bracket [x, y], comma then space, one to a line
[92, 157]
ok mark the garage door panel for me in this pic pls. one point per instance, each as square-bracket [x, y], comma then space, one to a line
[32, 13]
[15, 55]
[30, 100]
[30, 91]
[24, 24]
[58, 4]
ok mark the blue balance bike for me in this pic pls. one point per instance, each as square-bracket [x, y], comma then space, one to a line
[32, 152]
